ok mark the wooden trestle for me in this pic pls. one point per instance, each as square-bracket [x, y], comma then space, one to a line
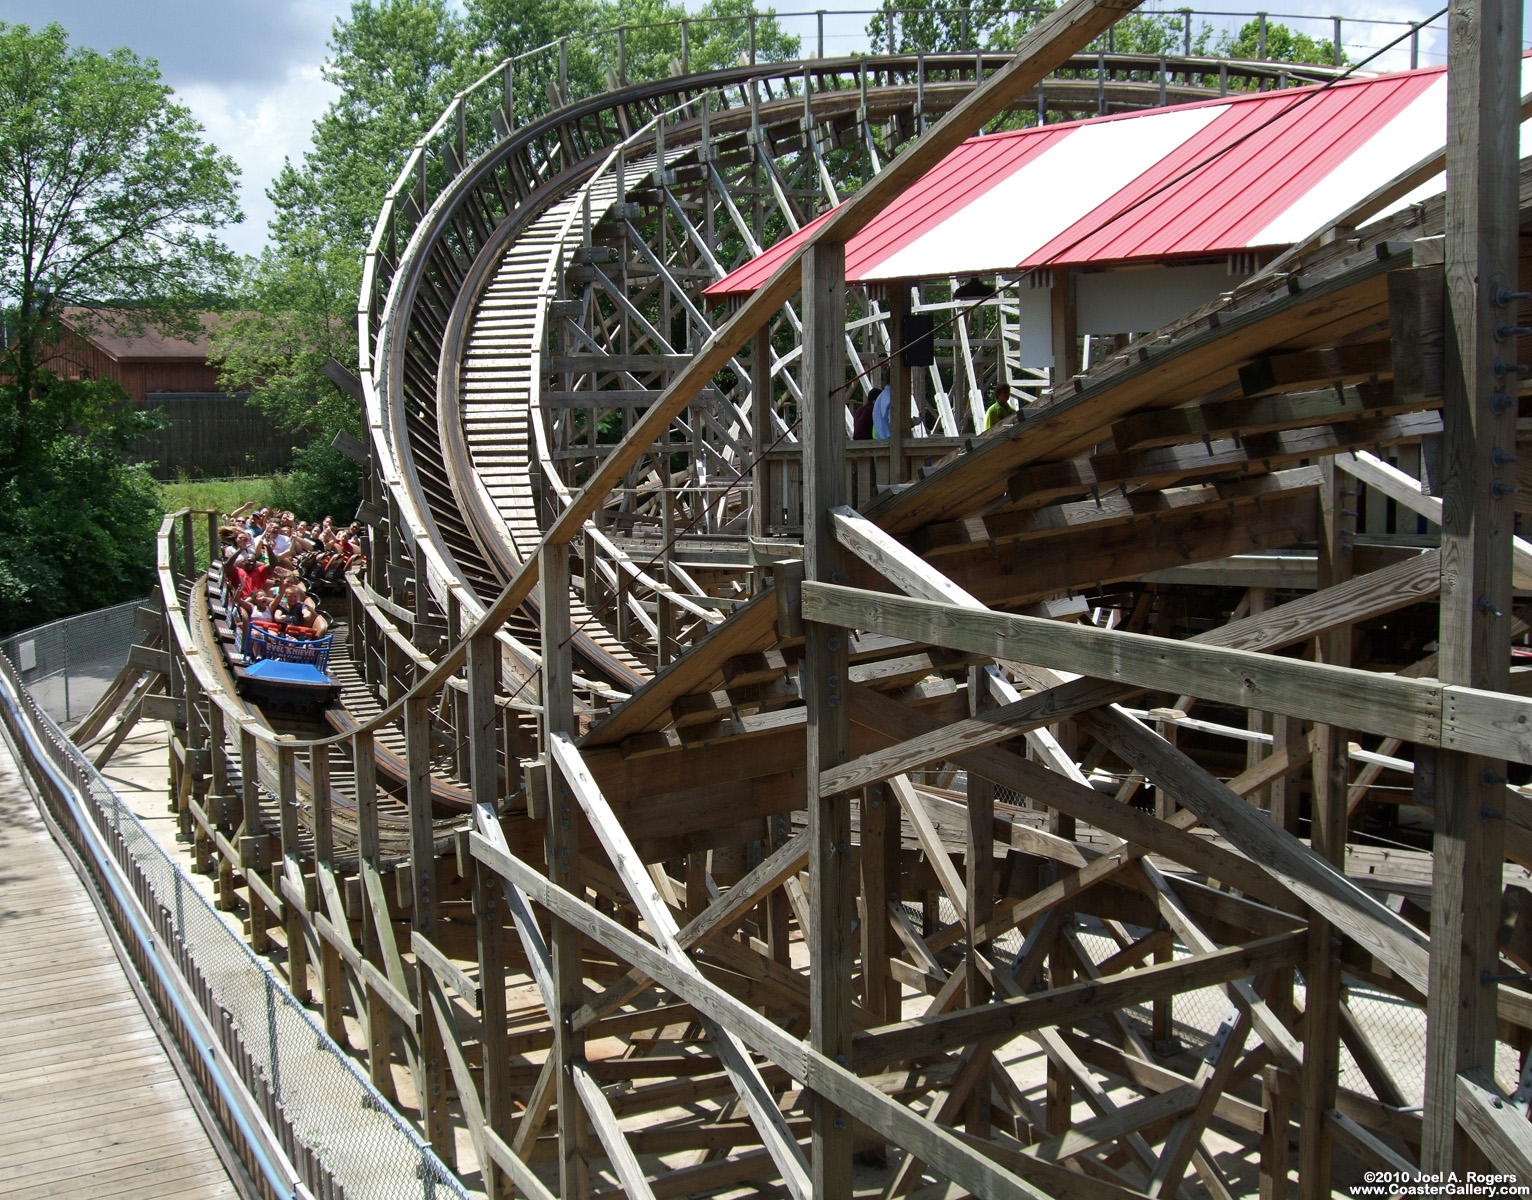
[677, 872]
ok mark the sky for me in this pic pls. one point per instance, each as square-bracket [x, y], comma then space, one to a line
[250, 71]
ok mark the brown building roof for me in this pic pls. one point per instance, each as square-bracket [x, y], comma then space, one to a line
[95, 325]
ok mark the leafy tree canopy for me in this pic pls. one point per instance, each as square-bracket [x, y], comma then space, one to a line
[107, 192]
[1282, 45]
[397, 63]
[110, 200]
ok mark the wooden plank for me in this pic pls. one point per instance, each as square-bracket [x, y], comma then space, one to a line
[1010, 1018]
[1165, 427]
[822, 677]
[1388, 704]
[1498, 1128]
[1325, 365]
[662, 924]
[1379, 592]
[968, 483]
[1482, 234]
[886, 1116]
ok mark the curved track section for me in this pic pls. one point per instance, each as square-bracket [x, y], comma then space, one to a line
[464, 491]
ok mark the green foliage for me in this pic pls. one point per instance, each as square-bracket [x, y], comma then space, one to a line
[500, 29]
[718, 36]
[952, 26]
[220, 495]
[106, 191]
[323, 482]
[1282, 45]
[1156, 33]
[77, 523]
[300, 305]
[397, 64]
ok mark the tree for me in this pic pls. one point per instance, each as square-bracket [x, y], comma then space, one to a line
[299, 311]
[718, 36]
[107, 192]
[109, 199]
[1282, 45]
[77, 521]
[397, 64]
[952, 26]
[501, 29]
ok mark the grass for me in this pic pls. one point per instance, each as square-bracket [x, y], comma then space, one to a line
[224, 495]
[221, 495]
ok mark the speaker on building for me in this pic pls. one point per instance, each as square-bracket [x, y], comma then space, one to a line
[919, 347]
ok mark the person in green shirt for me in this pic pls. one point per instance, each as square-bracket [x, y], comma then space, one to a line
[1001, 408]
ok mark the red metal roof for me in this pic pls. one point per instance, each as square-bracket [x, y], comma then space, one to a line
[1195, 180]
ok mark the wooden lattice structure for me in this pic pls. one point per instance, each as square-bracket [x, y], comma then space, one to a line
[714, 806]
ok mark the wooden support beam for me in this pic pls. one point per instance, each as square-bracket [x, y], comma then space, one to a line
[564, 823]
[889, 1118]
[1327, 837]
[430, 1067]
[1483, 203]
[1380, 592]
[823, 680]
[1417, 709]
[1332, 364]
[1329, 406]
[1010, 1018]
[662, 925]
[1499, 1128]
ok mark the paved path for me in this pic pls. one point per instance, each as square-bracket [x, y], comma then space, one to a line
[89, 1103]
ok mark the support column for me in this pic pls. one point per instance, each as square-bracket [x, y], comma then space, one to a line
[1484, 53]
[488, 900]
[1321, 971]
[980, 893]
[332, 984]
[899, 383]
[824, 670]
[1066, 330]
[364, 769]
[565, 820]
[762, 502]
[431, 1065]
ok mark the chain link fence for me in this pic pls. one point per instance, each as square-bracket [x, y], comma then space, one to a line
[331, 1107]
[66, 665]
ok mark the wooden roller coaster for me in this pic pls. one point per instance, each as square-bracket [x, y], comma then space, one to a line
[1114, 805]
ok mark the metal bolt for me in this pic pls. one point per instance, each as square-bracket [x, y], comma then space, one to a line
[1499, 402]
[1502, 332]
[837, 577]
[1502, 458]
[1505, 368]
[840, 1122]
[834, 681]
[1500, 489]
[1486, 605]
[833, 643]
[1488, 812]
[1493, 778]
[1504, 296]
[833, 701]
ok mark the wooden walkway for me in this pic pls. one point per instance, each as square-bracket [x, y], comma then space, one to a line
[89, 1103]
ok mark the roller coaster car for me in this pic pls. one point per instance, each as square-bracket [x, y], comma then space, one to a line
[276, 671]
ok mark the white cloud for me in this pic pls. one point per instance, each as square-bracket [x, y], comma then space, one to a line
[259, 126]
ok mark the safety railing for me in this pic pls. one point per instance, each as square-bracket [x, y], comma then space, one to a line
[305, 1120]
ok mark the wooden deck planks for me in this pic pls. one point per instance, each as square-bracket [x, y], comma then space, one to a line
[89, 1103]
